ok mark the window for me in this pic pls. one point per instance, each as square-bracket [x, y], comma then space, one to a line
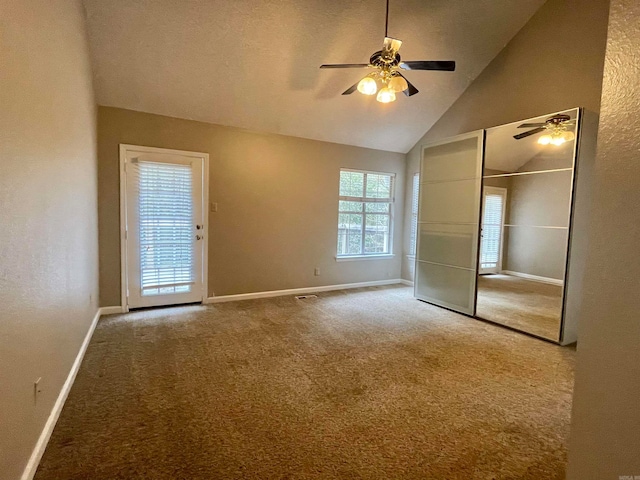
[414, 214]
[364, 213]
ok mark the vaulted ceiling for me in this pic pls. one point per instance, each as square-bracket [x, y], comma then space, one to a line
[254, 63]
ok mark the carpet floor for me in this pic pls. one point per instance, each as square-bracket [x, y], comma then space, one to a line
[530, 306]
[355, 384]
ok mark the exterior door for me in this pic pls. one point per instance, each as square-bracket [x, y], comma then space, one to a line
[492, 231]
[164, 226]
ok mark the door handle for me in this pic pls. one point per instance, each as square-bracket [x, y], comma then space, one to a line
[198, 237]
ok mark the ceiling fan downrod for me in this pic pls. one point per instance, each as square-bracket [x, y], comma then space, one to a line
[386, 22]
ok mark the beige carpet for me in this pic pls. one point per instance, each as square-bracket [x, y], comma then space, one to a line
[366, 383]
[534, 307]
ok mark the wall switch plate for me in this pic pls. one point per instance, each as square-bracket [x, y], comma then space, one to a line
[214, 207]
[316, 272]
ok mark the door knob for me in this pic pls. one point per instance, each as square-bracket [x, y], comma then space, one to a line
[198, 237]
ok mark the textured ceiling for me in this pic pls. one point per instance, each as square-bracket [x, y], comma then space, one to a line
[254, 63]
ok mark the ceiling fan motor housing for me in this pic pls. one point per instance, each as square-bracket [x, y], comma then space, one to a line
[558, 119]
[385, 58]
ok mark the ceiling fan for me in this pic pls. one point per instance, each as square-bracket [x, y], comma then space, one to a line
[556, 127]
[386, 79]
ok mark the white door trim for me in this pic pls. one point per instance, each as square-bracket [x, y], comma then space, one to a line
[124, 148]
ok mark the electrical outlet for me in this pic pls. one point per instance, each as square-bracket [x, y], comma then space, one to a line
[36, 390]
[316, 272]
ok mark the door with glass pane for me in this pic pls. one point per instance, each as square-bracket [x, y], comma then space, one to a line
[164, 226]
[491, 232]
[448, 222]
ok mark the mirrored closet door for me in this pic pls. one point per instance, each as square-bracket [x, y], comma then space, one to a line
[495, 220]
[527, 195]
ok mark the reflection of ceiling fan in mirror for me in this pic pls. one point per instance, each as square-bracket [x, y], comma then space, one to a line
[386, 79]
[557, 128]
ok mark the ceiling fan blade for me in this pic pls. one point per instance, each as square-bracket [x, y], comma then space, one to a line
[531, 125]
[346, 65]
[411, 89]
[444, 65]
[529, 133]
[351, 89]
[392, 44]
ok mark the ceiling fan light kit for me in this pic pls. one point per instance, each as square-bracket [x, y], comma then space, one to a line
[387, 80]
[557, 137]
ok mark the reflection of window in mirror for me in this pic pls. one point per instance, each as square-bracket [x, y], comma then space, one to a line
[414, 214]
[492, 229]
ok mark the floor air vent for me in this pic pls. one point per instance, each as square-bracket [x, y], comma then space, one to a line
[305, 297]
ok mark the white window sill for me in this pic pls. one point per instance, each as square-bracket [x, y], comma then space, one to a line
[365, 257]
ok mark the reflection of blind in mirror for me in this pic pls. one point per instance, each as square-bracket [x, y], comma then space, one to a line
[491, 231]
[414, 213]
[166, 227]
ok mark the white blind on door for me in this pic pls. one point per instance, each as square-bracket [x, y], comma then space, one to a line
[165, 216]
[491, 230]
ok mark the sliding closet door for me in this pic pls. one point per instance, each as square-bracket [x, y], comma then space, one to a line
[448, 222]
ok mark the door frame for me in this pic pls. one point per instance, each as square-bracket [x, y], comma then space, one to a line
[124, 279]
[503, 192]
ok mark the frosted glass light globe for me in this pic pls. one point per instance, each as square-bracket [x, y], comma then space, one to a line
[398, 84]
[386, 95]
[545, 140]
[367, 86]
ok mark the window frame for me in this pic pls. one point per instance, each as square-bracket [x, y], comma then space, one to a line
[364, 200]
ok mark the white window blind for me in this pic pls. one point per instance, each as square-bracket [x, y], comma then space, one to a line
[165, 216]
[414, 213]
[491, 231]
[365, 213]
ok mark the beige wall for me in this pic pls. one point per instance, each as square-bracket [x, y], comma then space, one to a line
[605, 430]
[277, 203]
[48, 191]
[555, 62]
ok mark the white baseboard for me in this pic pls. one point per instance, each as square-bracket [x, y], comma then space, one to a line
[406, 282]
[535, 278]
[299, 291]
[41, 445]
[111, 310]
